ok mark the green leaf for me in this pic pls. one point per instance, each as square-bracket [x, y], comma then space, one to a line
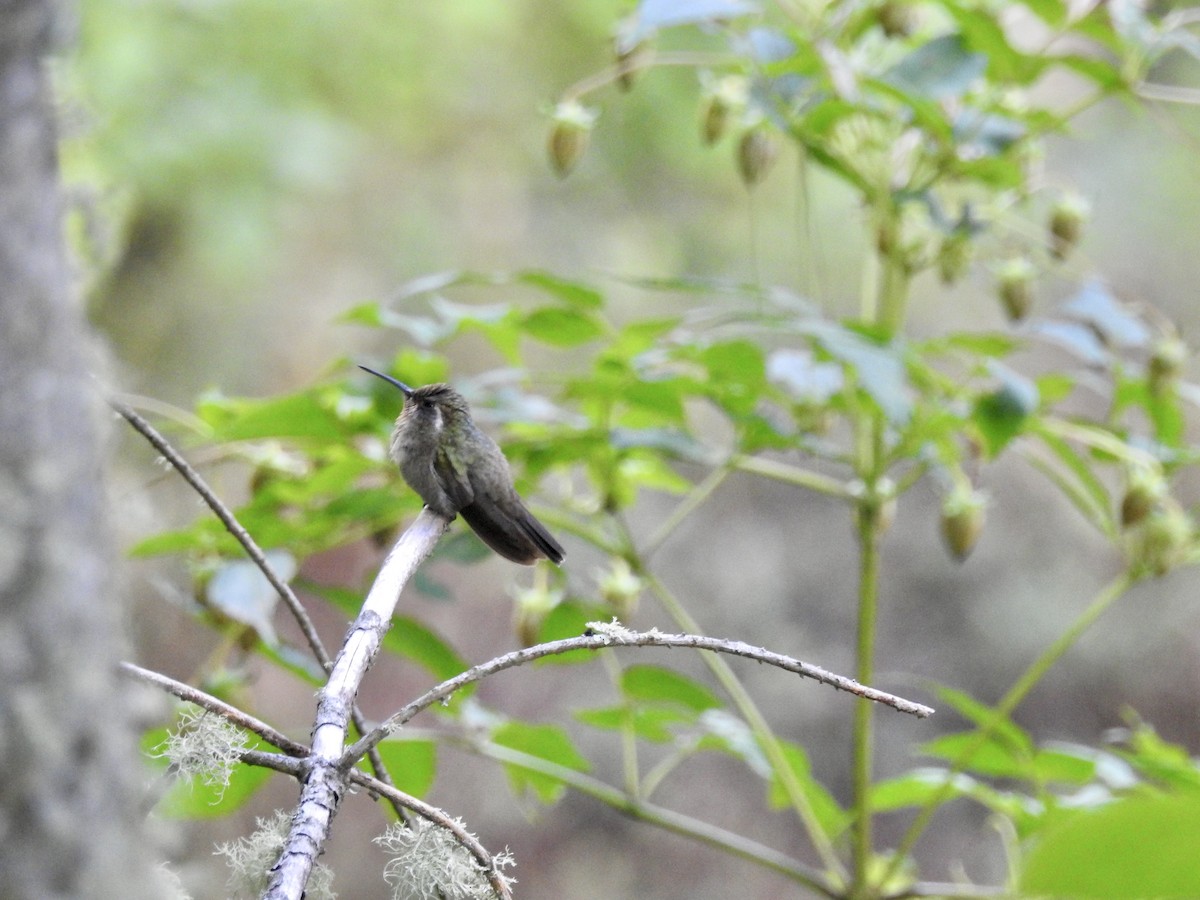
[204, 535]
[1064, 766]
[417, 367]
[656, 725]
[984, 35]
[562, 327]
[994, 757]
[981, 714]
[572, 293]
[195, 800]
[654, 403]
[292, 415]
[567, 620]
[411, 638]
[1004, 413]
[941, 69]
[548, 742]
[735, 362]
[879, 368]
[639, 336]
[1160, 761]
[368, 314]
[649, 472]
[412, 764]
[655, 684]
[918, 787]
[1083, 488]
[1052, 12]
[923, 786]
[1137, 847]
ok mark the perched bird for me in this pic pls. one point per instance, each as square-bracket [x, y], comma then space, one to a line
[457, 469]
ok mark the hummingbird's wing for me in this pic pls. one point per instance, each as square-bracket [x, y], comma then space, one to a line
[505, 525]
[454, 477]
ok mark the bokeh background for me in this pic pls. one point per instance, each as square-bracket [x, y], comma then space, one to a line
[243, 172]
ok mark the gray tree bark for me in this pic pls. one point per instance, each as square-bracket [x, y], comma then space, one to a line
[69, 822]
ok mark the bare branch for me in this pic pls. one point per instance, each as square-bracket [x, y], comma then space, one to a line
[616, 636]
[327, 774]
[212, 704]
[232, 525]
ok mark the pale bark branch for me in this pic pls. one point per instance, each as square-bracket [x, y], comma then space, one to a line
[327, 774]
[610, 636]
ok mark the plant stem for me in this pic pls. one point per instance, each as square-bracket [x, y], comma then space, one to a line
[888, 310]
[868, 607]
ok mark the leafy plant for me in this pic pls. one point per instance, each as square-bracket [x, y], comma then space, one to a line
[926, 113]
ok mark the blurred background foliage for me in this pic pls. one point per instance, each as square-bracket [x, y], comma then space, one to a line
[250, 179]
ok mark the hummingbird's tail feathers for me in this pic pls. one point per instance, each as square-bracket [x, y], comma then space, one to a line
[542, 539]
[523, 540]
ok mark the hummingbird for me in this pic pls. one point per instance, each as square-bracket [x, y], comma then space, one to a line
[457, 469]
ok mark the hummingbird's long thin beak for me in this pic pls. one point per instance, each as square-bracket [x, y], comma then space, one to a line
[388, 378]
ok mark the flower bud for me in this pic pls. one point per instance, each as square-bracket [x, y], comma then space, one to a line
[532, 606]
[1160, 541]
[570, 135]
[1165, 365]
[954, 256]
[963, 514]
[1014, 285]
[620, 588]
[1066, 223]
[1144, 490]
[756, 154]
[897, 18]
[722, 100]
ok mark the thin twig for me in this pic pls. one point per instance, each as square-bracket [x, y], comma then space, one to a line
[232, 525]
[212, 704]
[242, 536]
[615, 636]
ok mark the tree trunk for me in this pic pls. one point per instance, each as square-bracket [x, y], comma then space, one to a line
[69, 822]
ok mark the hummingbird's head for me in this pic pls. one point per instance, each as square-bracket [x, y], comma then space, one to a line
[432, 407]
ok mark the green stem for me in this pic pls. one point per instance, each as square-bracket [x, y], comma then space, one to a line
[1011, 700]
[770, 468]
[868, 607]
[888, 310]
